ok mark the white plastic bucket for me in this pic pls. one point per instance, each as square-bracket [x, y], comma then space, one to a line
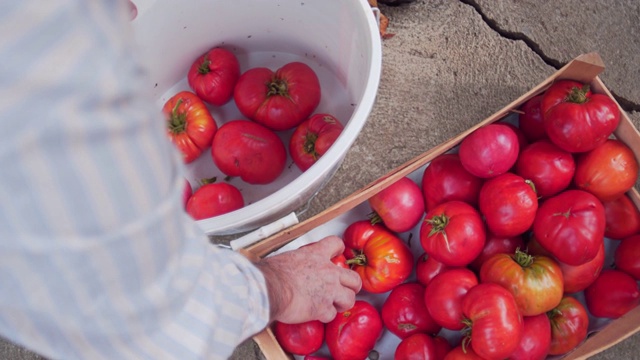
[339, 39]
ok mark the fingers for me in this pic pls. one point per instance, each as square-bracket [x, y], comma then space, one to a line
[344, 300]
[331, 246]
[351, 280]
[328, 315]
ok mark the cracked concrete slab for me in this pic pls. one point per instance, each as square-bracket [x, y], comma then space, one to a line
[451, 64]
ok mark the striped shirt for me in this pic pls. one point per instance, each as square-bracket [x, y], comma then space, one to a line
[97, 258]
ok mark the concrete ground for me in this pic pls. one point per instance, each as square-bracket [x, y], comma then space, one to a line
[452, 63]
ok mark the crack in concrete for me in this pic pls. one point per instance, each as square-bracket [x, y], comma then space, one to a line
[626, 104]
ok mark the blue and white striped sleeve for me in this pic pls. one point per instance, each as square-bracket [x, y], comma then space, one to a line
[97, 258]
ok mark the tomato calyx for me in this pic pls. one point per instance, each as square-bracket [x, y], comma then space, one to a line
[578, 95]
[278, 87]
[522, 258]
[204, 67]
[360, 260]
[466, 333]
[206, 181]
[375, 218]
[438, 224]
[310, 145]
[178, 120]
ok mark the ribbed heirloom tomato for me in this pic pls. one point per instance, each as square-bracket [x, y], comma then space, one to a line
[300, 339]
[569, 325]
[214, 75]
[453, 233]
[352, 334]
[382, 259]
[536, 339]
[550, 168]
[313, 138]
[190, 126]
[279, 100]
[404, 312]
[622, 218]
[613, 294]
[443, 296]
[214, 199]
[576, 119]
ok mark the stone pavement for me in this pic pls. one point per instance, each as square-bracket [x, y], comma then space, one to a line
[452, 63]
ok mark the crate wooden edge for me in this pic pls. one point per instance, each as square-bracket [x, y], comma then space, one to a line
[585, 68]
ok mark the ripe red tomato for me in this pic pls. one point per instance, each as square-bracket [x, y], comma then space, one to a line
[442, 347]
[404, 312]
[427, 268]
[445, 179]
[353, 333]
[341, 261]
[214, 75]
[569, 324]
[570, 225]
[575, 119]
[489, 151]
[400, 206]
[535, 282]
[531, 119]
[495, 322]
[509, 204]
[536, 339]
[522, 140]
[190, 126]
[627, 256]
[550, 168]
[443, 296]
[313, 138]
[416, 347]
[608, 171]
[186, 193]
[249, 150]
[496, 245]
[300, 339]
[280, 100]
[453, 233]
[622, 218]
[575, 278]
[463, 353]
[214, 199]
[613, 294]
[382, 259]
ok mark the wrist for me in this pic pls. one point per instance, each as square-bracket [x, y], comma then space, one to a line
[278, 292]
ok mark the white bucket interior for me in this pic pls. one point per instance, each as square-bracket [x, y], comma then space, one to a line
[339, 39]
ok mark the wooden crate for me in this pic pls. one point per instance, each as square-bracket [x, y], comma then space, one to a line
[584, 68]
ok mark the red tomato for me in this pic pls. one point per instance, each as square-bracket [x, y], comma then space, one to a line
[489, 151]
[214, 199]
[442, 347]
[550, 168]
[569, 324]
[536, 339]
[535, 282]
[400, 206]
[312, 138]
[453, 233]
[575, 278]
[214, 75]
[522, 140]
[416, 347]
[509, 204]
[497, 245]
[312, 357]
[575, 119]
[443, 296]
[495, 322]
[627, 256]
[461, 353]
[186, 193]
[613, 294]
[404, 312]
[622, 218]
[608, 171]
[249, 150]
[190, 126]
[353, 333]
[341, 261]
[570, 225]
[300, 339]
[280, 100]
[382, 259]
[445, 179]
[427, 268]
[530, 121]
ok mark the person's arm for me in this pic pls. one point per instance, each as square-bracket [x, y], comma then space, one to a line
[97, 257]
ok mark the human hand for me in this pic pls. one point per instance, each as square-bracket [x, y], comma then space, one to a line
[305, 285]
